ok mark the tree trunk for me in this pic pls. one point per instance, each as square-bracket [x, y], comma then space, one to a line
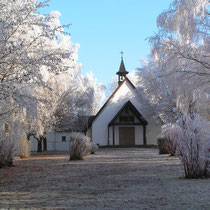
[28, 137]
[45, 143]
[39, 146]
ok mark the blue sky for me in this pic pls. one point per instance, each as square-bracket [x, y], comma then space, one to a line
[105, 27]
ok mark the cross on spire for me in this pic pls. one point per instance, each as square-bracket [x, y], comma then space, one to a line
[121, 54]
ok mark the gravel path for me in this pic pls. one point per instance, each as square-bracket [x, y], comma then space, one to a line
[111, 179]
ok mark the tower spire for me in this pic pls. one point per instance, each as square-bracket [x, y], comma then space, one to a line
[122, 71]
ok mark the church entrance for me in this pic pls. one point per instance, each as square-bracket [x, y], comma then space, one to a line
[127, 136]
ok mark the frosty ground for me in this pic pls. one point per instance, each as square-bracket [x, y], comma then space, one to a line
[133, 178]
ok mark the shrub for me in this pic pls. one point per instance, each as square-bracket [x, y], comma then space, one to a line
[193, 147]
[192, 143]
[79, 146]
[24, 147]
[162, 145]
[7, 151]
[93, 148]
[170, 132]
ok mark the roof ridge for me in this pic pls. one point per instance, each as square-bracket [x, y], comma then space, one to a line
[107, 101]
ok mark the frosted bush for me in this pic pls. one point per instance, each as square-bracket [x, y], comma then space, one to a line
[172, 133]
[7, 151]
[79, 146]
[9, 133]
[162, 143]
[24, 147]
[194, 146]
[192, 139]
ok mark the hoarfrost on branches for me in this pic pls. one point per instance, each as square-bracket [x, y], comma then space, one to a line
[38, 67]
[191, 137]
[177, 74]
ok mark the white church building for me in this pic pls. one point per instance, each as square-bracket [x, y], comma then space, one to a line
[120, 121]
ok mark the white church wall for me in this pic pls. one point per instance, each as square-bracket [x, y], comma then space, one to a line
[62, 145]
[55, 141]
[139, 135]
[117, 137]
[153, 131]
[110, 135]
[50, 141]
[100, 124]
[33, 144]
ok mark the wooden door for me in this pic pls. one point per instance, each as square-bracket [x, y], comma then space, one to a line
[127, 136]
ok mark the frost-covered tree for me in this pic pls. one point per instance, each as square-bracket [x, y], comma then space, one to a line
[191, 139]
[82, 99]
[38, 65]
[26, 41]
[29, 43]
[69, 101]
[56, 82]
[182, 43]
[158, 92]
[179, 60]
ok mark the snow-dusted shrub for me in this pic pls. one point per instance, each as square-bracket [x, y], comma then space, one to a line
[93, 148]
[162, 145]
[24, 147]
[192, 139]
[7, 151]
[9, 135]
[172, 134]
[79, 146]
[193, 146]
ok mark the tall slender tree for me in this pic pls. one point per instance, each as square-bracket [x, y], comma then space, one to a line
[179, 60]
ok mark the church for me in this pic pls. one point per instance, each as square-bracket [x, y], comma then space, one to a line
[121, 121]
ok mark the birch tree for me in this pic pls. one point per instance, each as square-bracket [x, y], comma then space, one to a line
[39, 68]
[179, 60]
[32, 47]
[28, 43]
[82, 99]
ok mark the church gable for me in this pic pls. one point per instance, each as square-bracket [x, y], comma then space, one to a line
[122, 93]
[128, 115]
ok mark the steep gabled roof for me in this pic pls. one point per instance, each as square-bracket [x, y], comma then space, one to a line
[71, 124]
[122, 70]
[113, 94]
[133, 110]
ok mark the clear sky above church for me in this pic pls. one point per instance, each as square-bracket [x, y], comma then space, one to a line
[105, 27]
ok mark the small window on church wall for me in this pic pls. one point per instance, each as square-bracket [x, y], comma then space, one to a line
[63, 138]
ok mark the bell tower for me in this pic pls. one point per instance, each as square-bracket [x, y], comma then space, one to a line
[122, 71]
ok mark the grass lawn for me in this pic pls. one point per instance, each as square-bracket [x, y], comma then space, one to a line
[121, 178]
